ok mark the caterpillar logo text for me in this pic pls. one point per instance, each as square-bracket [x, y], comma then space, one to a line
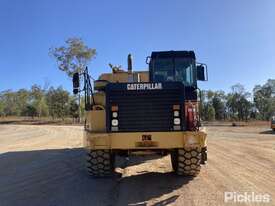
[144, 86]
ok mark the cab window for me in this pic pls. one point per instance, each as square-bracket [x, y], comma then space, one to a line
[174, 69]
[184, 71]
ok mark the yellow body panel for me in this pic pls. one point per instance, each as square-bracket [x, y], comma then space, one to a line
[272, 126]
[96, 120]
[95, 136]
[125, 76]
[99, 98]
[135, 140]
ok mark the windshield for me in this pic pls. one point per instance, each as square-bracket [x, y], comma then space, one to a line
[174, 69]
[163, 70]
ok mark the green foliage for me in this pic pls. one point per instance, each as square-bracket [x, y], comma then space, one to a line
[237, 103]
[2, 108]
[10, 102]
[23, 97]
[215, 105]
[29, 110]
[73, 57]
[43, 110]
[57, 101]
[234, 105]
[73, 108]
[38, 100]
[264, 99]
[218, 103]
[213, 101]
[210, 113]
[207, 112]
[34, 102]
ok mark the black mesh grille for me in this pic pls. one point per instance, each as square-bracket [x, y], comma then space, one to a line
[144, 110]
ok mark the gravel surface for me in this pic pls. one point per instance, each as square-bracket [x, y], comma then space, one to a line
[44, 166]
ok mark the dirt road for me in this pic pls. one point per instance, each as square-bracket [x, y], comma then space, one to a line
[43, 165]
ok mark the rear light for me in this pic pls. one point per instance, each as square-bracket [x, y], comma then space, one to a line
[114, 108]
[176, 117]
[114, 114]
[114, 122]
[176, 121]
[176, 107]
[176, 113]
[114, 119]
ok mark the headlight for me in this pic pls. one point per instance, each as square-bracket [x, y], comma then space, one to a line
[114, 114]
[114, 122]
[176, 113]
[177, 121]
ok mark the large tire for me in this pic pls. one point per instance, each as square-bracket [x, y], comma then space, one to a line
[100, 163]
[188, 161]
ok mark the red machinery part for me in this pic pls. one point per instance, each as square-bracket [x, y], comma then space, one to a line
[191, 115]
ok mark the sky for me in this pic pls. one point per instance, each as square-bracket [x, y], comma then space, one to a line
[235, 38]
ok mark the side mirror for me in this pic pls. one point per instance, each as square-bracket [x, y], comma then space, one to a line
[76, 83]
[202, 74]
[148, 59]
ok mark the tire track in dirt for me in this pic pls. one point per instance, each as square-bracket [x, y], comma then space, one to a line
[44, 165]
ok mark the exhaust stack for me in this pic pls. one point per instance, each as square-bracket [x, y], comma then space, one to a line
[130, 63]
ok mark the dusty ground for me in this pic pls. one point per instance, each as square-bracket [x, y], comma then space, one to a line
[43, 165]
